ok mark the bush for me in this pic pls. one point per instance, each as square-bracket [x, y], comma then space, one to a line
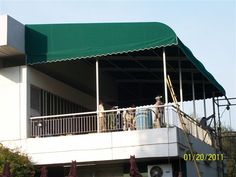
[20, 164]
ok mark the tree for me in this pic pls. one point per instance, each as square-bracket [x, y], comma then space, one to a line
[20, 163]
[228, 146]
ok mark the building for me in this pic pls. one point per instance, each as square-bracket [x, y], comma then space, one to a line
[52, 77]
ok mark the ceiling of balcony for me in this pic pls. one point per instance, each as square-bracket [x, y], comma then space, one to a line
[138, 75]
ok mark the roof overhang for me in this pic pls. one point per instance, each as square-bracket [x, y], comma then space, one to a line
[12, 41]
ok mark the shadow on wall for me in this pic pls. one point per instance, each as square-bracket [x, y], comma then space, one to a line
[10, 74]
[36, 49]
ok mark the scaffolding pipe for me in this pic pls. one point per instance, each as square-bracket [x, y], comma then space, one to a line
[204, 98]
[219, 124]
[181, 86]
[193, 93]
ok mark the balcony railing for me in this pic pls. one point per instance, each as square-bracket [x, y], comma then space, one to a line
[138, 118]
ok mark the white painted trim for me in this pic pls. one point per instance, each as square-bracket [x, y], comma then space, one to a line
[97, 94]
[100, 146]
[165, 85]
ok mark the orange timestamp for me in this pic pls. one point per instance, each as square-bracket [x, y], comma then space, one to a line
[203, 157]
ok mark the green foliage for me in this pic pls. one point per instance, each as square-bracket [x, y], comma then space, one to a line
[228, 146]
[20, 164]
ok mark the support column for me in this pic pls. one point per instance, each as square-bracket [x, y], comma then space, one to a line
[214, 111]
[97, 95]
[181, 87]
[193, 93]
[204, 98]
[165, 86]
[215, 139]
[219, 124]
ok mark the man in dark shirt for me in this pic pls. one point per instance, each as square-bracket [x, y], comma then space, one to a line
[203, 123]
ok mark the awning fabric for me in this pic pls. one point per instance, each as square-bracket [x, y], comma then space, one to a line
[200, 66]
[60, 42]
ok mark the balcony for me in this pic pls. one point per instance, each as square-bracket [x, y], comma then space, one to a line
[125, 119]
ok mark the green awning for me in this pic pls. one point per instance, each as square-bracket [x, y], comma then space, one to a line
[60, 42]
[200, 66]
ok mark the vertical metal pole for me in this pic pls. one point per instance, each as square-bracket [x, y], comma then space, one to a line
[97, 94]
[181, 86]
[165, 86]
[215, 138]
[221, 163]
[214, 112]
[193, 93]
[204, 98]
[219, 124]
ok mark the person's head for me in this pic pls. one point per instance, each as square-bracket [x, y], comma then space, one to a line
[132, 106]
[158, 98]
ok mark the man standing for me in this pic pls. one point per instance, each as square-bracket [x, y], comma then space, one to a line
[101, 116]
[158, 112]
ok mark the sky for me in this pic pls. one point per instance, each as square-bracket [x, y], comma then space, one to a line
[207, 27]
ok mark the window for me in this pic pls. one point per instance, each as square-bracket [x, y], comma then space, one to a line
[45, 103]
[35, 101]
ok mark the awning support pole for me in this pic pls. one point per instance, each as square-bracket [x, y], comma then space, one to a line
[165, 87]
[204, 98]
[193, 93]
[97, 95]
[181, 86]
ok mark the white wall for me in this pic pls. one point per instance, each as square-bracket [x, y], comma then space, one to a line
[15, 98]
[16, 34]
[100, 147]
[12, 35]
[3, 30]
[206, 171]
[52, 85]
[200, 148]
[13, 103]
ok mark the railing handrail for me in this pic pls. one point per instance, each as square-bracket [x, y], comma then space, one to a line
[105, 111]
[116, 110]
[186, 115]
[112, 120]
[63, 115]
